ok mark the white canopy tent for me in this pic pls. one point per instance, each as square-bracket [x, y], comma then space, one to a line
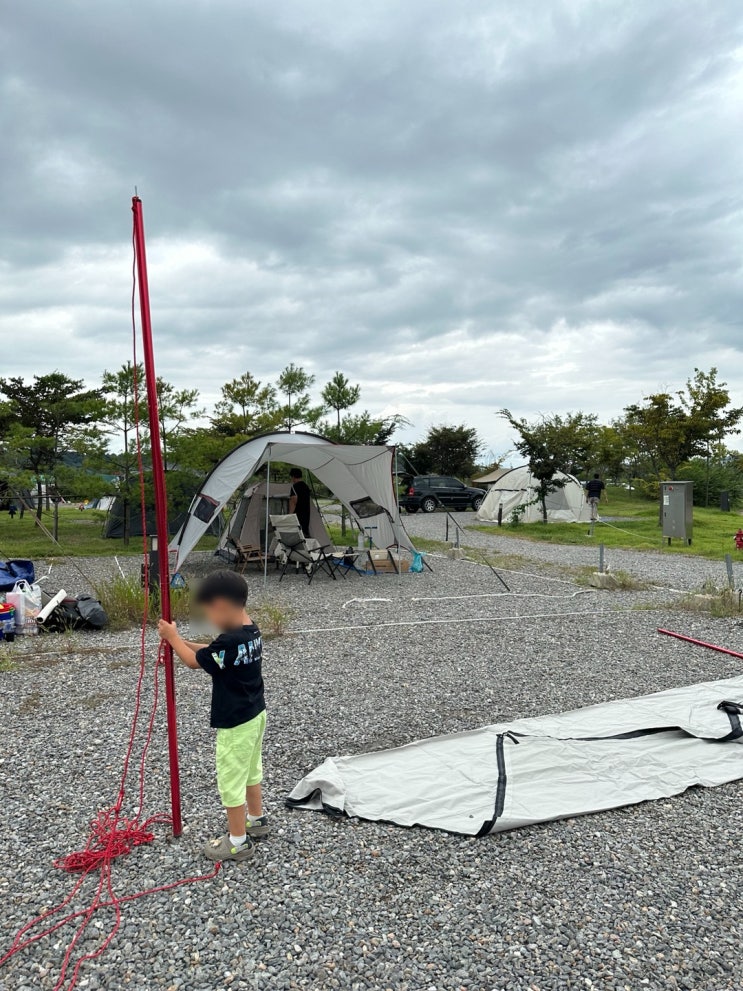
[361, 477]
[517, 487]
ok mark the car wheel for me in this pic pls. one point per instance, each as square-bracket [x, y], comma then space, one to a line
[476, 503]
[411, 509]
[428, 505]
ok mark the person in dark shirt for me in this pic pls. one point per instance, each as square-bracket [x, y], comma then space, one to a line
[238, 709]
[299, 500]
[595, 487]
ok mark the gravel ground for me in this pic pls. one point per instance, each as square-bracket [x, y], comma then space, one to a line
[686, 572]
[642, 897]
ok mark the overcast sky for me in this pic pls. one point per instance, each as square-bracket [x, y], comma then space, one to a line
[462, 205]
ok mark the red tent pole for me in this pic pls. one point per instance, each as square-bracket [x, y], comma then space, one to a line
[161, 508]
[700, 643]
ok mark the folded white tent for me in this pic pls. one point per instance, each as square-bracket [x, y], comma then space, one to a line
[514, 774]
[517, 487]
[360, 477]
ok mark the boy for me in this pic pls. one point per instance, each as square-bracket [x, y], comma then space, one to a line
[238, 710]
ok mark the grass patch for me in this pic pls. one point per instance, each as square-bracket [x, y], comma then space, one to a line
[721, 603]
[80, 535]
[272, 618]
[626, 582]
[6, 662]
[123, 600]
[637, 530]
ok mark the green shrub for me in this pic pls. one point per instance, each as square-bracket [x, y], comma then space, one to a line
[123, 599]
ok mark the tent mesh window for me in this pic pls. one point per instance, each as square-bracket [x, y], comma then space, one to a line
[364, 508]
[206, 507]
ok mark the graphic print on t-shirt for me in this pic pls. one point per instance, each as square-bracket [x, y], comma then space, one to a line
[234, 662]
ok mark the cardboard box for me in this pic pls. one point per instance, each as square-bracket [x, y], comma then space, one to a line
[389, 562]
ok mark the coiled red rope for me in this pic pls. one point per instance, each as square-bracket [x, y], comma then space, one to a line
[112, 834]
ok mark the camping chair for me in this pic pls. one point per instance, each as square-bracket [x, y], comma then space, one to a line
[292, 547]
[247, 554]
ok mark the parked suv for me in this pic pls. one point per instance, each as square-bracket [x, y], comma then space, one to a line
[428, 492]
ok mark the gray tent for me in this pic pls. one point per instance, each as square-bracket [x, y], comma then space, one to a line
[360, 476]
[248, 523]
[514, 774]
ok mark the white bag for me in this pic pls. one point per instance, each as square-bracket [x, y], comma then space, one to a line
[27, 601]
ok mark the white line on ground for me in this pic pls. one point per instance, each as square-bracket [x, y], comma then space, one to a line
[444, 622]
[502, 595]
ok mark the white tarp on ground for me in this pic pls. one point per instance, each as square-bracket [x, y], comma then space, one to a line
[517, 487]
[514, 774]
[360, 476]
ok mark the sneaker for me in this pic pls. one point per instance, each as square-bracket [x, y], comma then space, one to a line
[222, 849]
[258, 827]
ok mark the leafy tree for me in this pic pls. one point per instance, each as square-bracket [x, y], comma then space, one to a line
[52, 408]
[340, 395]
[198, 449]
[672, 428]
[363, 428]
[295, 383]
[175, 408]
[549, 446]
[722, 471]
[120, 421]
[247, 407]
[711, 418]
[611, 450]
[447, 450]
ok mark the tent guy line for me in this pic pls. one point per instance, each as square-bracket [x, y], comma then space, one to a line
[445, 622]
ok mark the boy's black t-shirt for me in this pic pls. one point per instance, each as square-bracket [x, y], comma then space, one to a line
[234, 662]
[595, 487]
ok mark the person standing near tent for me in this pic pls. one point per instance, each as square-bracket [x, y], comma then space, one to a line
[299, 500]
[595, 487]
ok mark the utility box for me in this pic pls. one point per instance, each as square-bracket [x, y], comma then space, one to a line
[677, 510]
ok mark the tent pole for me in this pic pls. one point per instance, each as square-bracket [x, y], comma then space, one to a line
[268, 495]
[396, 488]
[161, 511]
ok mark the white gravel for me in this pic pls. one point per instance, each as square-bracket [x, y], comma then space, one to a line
[643, 897]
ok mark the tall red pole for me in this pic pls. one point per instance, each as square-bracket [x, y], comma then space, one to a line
[700, 643]
[161, 507]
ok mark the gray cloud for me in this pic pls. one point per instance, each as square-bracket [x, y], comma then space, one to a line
[463, 206]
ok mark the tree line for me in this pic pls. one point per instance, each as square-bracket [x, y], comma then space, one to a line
[668, 435]
[57, 435]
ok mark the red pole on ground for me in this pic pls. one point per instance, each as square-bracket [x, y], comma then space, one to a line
[700, 643]
[161, 508]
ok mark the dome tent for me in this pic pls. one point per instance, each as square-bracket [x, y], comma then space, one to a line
[360, 476]
[518, 488]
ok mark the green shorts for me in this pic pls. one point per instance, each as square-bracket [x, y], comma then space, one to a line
[239, 759]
